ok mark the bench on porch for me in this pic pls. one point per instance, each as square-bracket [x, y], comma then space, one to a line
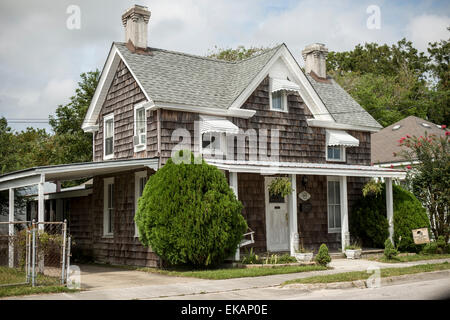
[246, 242]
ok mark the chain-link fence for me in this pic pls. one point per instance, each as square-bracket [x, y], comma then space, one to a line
[34, 253]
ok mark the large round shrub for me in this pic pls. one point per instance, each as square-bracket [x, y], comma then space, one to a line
[188, 214]
[369, 224]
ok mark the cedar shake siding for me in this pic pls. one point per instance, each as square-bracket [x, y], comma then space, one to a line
[170, 121]
[298, 141]
[122, 96]
[123, 248]
[312, 225]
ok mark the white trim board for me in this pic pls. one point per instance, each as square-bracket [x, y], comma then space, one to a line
[305, 168]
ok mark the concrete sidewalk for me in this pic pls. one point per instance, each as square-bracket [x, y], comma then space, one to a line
[198, 286]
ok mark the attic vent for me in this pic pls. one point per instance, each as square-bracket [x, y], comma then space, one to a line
[426, 125]
[396, 127]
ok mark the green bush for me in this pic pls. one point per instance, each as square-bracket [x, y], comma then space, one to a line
[389, 250]
[368, 220]
[188, 214]
[436, 247]
[322, 257]
[250, 258]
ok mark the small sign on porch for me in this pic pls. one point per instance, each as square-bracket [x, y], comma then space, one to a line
[421, 236]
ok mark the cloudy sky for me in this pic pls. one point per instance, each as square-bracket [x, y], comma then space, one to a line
[41, 58]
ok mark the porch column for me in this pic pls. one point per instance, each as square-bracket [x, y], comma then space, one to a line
[345, 234]
[293, 227]
[234, 187]
[11, 229]
[41, 206]
[390, 208]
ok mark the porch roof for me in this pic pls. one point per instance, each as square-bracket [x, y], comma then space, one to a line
[72, 171]
[325, 169]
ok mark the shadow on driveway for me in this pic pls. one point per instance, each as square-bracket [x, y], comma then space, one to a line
[98, 277]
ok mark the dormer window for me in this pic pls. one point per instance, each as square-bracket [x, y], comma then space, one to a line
[335, 153]
[279, 101]
[279, 89]
[140, 129]
[336, 143]
[108, 137]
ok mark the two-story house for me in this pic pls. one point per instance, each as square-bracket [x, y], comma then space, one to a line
[255, 119]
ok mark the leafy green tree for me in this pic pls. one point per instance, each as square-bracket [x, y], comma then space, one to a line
[393, 82]
[439, 66]
[7, 151]
[188, 214]
[240, 53]
[71, 142]
[430, 177]
[369, 224]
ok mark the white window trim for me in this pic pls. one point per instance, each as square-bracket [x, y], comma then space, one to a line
[223, 144]
[333, 230]
[140, 147]
[137, 177]
[107, 118]
[284, 97]
[106, 183]
[343, 154]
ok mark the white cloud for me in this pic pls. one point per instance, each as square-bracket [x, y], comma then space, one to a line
[40, 59]
[427, 28]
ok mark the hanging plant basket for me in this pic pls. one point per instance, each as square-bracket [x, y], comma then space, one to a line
[280, 187]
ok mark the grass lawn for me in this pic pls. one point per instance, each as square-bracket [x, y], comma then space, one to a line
[363, 275]
[416, 257]
[230, 273]
[12, 276]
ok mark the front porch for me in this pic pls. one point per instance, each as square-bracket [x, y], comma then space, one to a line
[322, 218]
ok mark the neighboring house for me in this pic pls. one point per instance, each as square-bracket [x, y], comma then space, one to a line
[385, 143]
[150, 102]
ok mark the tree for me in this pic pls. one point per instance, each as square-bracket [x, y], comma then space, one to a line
[7, 152]
[71, 142]
[393, 82]
[240, 53]
[368, 222]
[439, 66]
[188, 214]
[430, 177]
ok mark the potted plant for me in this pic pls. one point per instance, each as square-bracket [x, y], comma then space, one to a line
[303, 255]
[353, 251]
[280, 187]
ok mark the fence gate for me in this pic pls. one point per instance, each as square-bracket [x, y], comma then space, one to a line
[34, 253]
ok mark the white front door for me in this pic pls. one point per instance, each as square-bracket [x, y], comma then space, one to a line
[277, 220]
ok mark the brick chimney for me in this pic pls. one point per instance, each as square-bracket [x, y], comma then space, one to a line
[315, 59]
[135, 21]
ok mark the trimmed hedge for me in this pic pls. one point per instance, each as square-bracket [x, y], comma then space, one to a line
[369, 224]
[188, 214]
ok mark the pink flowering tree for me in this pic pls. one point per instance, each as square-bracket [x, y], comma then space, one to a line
[429, 179]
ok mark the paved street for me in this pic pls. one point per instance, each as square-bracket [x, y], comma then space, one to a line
[438, 288]
[114, 283]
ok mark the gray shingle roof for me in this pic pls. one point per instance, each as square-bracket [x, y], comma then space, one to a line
[173, 77]
[179, 78]
[343, 108]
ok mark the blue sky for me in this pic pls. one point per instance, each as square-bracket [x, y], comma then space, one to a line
[41, 59]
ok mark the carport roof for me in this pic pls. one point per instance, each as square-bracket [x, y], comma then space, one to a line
[31, 176]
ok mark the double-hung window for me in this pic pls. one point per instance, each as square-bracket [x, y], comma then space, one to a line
[140, 128]
[108, 202]
[140, 179]
[335, 153]
[108, 137]
[334, 205]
